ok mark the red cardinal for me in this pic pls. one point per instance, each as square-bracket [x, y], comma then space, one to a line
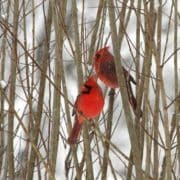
[88, 105]
[105, 70]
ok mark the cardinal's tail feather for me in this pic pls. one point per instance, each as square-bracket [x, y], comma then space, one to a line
[75, 132]
[132, 98]
[128, 76]
[132, 79]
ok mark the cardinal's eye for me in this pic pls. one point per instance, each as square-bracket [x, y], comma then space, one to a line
[98, 56]
[86, 89]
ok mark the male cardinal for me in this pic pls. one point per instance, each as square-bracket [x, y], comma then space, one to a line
[88, 105]
[105, 69]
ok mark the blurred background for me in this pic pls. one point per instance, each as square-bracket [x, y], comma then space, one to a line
[46, 53]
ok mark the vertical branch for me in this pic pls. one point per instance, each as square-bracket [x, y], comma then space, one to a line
[30, 89]
[166, 171]
[122, 23]
[108, 135]
[176, 78]
[94, 35]
[3, 54]
[132, 133]
[14, 62]
[59, 10]
[150, 22]
[175, 48]
[167, 164]
[45, 58]
[138, 30]
[138, 89]
[157, 93]
[166, 131]
[165, 123]
[77, 44]
[29, 95]
[73, 148]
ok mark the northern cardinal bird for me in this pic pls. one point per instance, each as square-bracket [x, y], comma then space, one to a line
[88, 105]
[105, 69]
